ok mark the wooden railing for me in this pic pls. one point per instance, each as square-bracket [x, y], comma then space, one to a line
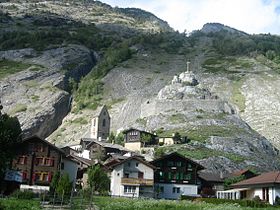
[137, 181]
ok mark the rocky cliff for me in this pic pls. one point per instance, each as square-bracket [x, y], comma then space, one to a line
[48, 47]
[38, 95]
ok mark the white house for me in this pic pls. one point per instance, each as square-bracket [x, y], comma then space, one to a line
[265, 186]
[132, 177]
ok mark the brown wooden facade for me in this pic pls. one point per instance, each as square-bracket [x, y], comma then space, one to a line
[38, 160]
[135, 135]
[176, 169]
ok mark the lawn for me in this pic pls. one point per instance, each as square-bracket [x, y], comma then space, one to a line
[107, 203]
[19, 204]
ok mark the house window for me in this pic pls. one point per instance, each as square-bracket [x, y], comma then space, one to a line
[140, 175]
[126, 175]
[104, 123]
[49, 161]
[188, 176]
[94, 122]
[136, 164]
[39, 161]
[189, 167]
[181, 176]
[179, 164]
[129, 189]
[176, 190]
[170, 163]
[169, 175]
[22, 160]
[133, 133]
[128, 164]
[42, 176]
[161, 189]
[39, 148]
[24, 175]
[37, 176]
[161, 175]
[45, 176]
[104, 113]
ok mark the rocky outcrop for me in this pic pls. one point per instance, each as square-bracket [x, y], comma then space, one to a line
[38, 95]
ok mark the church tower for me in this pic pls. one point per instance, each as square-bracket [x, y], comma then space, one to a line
[100, 124]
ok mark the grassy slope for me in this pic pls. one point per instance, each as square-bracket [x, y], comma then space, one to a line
[107, 203]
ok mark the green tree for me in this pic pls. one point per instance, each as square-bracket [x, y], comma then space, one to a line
[10, 137]
[177, 138]
[64, 186]
[98, 180]
[120, 139]
[112, 137]
[146, 138]
[54, 182]
[232, 180]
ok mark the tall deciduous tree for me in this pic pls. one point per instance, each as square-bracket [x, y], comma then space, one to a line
[98, 180]
[9, 138]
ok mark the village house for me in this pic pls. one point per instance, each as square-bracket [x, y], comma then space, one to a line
[246, 173]
[265, 186]
[132, 177]
[210, 183]
[176, 175]
[135, 139]
[37, 161]
[99, 150]
[166, 141]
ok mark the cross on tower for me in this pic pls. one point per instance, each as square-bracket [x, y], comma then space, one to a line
[188, 66]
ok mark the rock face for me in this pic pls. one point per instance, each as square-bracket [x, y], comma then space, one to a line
[103, 15]
[37, 95]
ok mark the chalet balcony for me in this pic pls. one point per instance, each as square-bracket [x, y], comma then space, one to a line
[137, 181]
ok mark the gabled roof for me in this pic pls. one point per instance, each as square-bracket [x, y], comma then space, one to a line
[37, 138]
[83, 160]
[210, 177]
[200, 167]
[98, 111]
[130, 129]
[133, 158]
[104, 144]
[239, 173]
[269, 178]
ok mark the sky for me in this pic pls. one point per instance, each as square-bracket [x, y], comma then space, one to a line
[251, 16]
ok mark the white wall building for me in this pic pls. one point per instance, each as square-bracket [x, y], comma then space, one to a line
[132, 177]
[265, 186]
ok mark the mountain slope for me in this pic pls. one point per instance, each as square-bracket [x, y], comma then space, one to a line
[71, 55]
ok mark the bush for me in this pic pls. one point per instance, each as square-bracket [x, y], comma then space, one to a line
[244, 203]
[277, 200]
[27, 194]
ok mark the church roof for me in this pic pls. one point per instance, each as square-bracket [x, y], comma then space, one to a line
[98, 111]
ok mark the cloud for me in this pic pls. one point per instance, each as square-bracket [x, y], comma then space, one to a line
[251, 16]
